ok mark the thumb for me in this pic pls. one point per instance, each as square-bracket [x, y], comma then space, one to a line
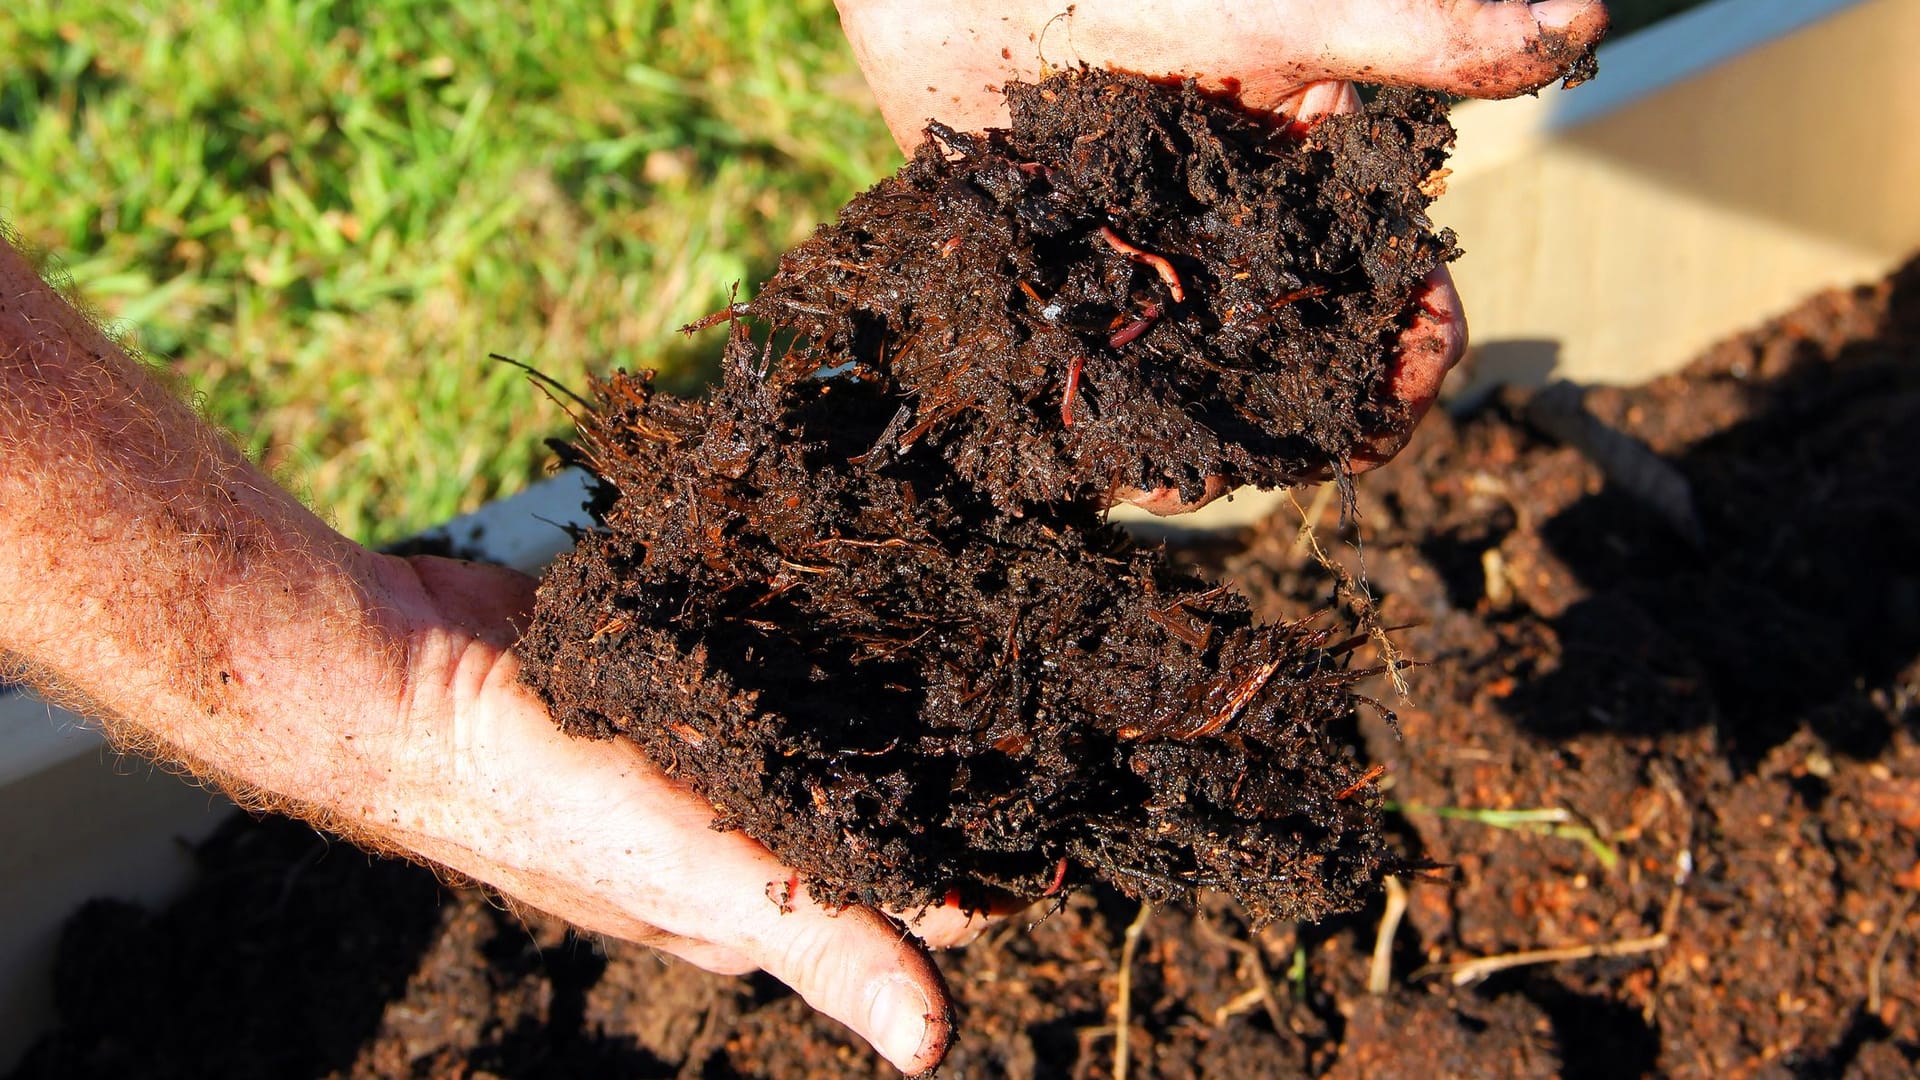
[1475, 48]
[860, 968]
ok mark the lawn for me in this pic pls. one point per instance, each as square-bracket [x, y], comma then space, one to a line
[322, 216]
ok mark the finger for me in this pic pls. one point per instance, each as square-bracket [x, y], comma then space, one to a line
[1431, 344]
[1316, 101]
[1167, 501]
[1429, 347]
[858, 967]
[854, 964]
[707, 956]
[637, 859]
[748, 912]
[1476, 48]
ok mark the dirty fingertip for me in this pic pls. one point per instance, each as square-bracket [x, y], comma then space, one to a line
[1316, 101]
[952, 924]
[905, 1027]
[1583, 20]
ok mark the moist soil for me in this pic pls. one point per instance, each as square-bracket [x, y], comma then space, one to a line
[1137, 286]
[862, 599]
[1720, 719]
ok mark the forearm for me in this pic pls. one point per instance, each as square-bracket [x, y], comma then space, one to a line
[157, 574]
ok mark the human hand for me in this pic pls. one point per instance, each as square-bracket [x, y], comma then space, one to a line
[475, 775]
[158, 580]
[1291, 57]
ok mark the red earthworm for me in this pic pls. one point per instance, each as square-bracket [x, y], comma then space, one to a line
[1059, 878]
[1073, 384]
[1129, 334]
[1160, 265]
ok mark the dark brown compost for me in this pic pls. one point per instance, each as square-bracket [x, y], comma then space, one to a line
[1136, 286]
[862, 598]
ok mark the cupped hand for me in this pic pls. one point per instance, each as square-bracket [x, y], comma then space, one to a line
[477, 777]
[1296, 58]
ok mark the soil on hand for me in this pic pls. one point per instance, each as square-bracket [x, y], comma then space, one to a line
[903, 691]
[1136, 286]
[1721, 852]
[862, 599]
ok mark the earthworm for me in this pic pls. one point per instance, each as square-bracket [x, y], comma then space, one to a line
[1160, 265]
[1059, 878]
[1073, 384]
[1131, 333]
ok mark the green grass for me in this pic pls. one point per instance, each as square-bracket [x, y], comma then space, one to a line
[323, 215]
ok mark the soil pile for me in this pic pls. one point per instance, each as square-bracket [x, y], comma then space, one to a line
[862, 599]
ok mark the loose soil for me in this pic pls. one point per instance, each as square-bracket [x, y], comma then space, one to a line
[1726, 734]
[1137, 286]
[904, 692]
[862, 599]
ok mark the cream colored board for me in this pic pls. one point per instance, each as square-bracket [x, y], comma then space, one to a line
[1616, 248]
[95, 825]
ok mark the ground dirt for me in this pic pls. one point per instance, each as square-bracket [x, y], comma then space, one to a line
[1717, 703]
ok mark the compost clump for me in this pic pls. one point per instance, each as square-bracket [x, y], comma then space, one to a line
[862, 598]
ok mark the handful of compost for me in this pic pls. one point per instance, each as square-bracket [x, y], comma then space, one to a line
[862, 598]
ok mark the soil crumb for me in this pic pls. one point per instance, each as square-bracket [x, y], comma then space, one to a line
[903, 691]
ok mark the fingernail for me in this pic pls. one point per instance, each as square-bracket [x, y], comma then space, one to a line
[1561, 14]
[898, 1021]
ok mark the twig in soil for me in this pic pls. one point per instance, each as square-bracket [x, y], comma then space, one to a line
[1362, 600]
[1237, 703]
[1373, 773]
[1879, 961]
[1123, 994]
[725, 315]
[1244, 1000]
[547, 383]
[1087, 1036]
[1682, 873]
[1297, 295]
[1380, 971]
[1310, 518]
[1261, 993]
[1160, 265]
[1472, 971]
